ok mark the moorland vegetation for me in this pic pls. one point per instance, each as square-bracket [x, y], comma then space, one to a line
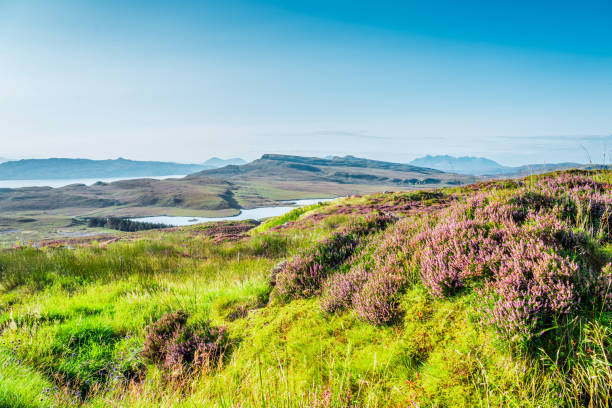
[493, 294]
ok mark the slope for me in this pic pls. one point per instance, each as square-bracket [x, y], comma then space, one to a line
[357, 316]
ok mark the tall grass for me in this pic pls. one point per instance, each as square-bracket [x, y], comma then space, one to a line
[291, 216]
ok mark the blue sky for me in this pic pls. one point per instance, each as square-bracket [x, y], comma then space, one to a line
[516, 81]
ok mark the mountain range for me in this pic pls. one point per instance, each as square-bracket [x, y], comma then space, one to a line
[61, 168]
[262, 182]
[225, 190]
[480, 166]
[340, 170]
[330, 168]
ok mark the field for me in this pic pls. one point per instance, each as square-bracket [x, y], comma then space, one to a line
[491, 294]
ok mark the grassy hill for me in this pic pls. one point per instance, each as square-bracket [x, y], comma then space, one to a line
[492, 294]
[340, 170]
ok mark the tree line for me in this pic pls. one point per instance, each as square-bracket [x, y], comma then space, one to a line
[123, 224]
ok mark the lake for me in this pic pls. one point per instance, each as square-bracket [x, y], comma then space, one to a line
[66, 182]
[252, 214]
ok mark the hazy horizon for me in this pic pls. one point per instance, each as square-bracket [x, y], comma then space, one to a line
[593, 160]
[516, 82]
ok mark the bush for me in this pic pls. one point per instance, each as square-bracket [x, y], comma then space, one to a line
[602, 288]
[532, 290]
[303, 276]
[161, 333]
[176, 346]
[531, 269]
[339, 289]
[377, 301]
[457, 252]
[376, 278]
[518, 250]
[202, 347]
[300, 277]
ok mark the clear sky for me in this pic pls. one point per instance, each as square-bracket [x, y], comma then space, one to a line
[516, 81]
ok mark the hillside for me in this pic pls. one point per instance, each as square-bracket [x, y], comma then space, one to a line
[341, 170]
[210, 193]
[481, 166]
[57, 168]
[273, 177]
[493, 294]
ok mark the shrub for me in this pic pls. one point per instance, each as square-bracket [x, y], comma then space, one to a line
[567, 184]
[176, 346]
[531, 200]
[202, 347]
[161, 333]
[533, 288]
[531, 269]
[303, 276]
[339, 289]
[457, 252]
[377, 301]
[376, 277]
[602, 288]
[278, 268]
[581, 200]
[300, 277]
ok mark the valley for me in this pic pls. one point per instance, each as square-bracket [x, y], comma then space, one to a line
[209, 193]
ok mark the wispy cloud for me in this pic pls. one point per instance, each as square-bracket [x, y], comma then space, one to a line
[567, 138]
[350, 134]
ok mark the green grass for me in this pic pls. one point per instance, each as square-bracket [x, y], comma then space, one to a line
[23, 387]
[75, 319]
[292, 215]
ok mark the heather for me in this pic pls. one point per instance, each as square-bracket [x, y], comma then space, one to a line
[177, 346]
[534, 264]
[493, 294]
[304, 274]
[375, 279]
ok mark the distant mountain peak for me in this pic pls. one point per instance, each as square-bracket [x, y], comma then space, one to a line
[216, 162]
[462, 165]
[480, 166]
[66, 168]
